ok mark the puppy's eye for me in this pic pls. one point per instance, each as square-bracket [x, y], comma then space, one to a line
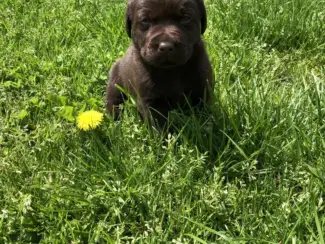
[185, 19]
[145, 23]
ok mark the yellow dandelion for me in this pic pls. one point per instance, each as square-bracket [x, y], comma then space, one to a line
[89, 120]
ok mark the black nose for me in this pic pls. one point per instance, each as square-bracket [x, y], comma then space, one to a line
[166, 47]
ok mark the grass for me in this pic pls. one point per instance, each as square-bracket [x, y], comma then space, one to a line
[251, 171]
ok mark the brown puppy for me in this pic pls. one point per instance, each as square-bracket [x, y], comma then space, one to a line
[166, 66]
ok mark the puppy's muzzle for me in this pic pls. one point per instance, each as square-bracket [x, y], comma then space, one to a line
[166, 47]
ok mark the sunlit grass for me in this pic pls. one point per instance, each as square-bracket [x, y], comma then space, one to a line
[249, 169]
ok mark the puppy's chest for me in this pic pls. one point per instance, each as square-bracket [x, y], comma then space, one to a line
[173, 86]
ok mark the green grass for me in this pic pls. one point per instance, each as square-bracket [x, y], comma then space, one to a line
[251, 171]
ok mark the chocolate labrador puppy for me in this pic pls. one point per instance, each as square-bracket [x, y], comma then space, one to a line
[166, 66]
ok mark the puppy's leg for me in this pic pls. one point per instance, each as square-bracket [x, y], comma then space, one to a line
[202, 97]
[156, 115]
[114, 97]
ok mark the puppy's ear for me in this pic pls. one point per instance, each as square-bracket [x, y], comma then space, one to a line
[203, 15]
[128, 17]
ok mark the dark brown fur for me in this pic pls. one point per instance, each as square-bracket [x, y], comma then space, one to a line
[166, 61]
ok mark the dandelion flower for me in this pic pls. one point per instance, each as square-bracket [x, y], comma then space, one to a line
[89, 120]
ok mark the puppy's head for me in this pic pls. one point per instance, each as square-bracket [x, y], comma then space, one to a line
[165, 31]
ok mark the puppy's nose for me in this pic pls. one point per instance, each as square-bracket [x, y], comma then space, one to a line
[166, 47]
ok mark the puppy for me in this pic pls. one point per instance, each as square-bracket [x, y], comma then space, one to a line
[166, 66]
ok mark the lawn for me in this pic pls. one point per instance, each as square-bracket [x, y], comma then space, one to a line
[249, 169]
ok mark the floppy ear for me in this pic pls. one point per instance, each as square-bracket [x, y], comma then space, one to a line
[128, 18]
[203, 15]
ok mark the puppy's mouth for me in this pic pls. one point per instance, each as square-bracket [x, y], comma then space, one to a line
[168, 64]
[166, 60]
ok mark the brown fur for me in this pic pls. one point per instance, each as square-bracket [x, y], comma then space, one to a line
[166, 61]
